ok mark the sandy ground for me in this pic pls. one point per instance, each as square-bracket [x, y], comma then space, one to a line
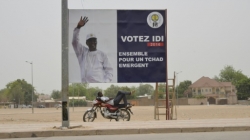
[141, 113]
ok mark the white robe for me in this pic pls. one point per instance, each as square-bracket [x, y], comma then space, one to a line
[94, 65]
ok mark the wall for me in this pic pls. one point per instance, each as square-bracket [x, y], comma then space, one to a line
[144, 101]
[182, 101]
[194, 101]
[232, 99]
[243, 102]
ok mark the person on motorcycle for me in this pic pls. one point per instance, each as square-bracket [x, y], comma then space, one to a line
[121, 95]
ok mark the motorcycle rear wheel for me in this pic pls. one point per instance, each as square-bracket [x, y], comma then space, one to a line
[124, 115]
[89, 116]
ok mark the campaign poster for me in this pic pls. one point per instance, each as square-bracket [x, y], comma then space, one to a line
[117, 46]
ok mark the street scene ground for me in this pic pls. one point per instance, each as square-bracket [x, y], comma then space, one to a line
[141, 113]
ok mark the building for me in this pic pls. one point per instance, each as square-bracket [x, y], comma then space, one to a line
[215, 92]
[43, 97]
[77, 97]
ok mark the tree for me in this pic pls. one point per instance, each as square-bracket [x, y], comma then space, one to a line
[182, 87]
[83, 89]
[113, 90]
[127, 89]
[145, 89]
[79, 89]
[20, 92]
[3, 96]
[56, 94]
[92, 92]
[243, 87]
[161, 91]
[229, 74]
[133, 96]
[216, 78]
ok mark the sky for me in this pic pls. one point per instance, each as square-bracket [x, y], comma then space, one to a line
[203, 37]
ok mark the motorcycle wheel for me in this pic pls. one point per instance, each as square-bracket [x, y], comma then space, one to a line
[124, 115]
[89, 116]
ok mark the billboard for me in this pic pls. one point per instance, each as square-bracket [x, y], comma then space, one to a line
[117, 46]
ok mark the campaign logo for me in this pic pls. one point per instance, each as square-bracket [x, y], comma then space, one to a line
[155, 20]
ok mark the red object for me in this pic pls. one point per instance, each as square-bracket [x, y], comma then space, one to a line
[155, 44]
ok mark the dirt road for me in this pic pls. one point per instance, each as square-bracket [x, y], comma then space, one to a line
[141, 113]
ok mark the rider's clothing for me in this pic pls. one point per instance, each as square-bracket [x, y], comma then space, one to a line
[121, 95]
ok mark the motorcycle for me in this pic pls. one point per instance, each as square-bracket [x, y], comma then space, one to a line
[107, 111]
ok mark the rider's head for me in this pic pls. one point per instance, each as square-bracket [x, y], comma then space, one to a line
[99, 94]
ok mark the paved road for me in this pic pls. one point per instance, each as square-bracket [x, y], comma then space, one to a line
[240, 135]
[123, 128]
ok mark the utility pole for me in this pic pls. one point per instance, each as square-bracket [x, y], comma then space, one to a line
[65, 75]
[31, 63]
[177, 87]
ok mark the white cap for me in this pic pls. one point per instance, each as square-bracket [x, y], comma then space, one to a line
[90, 36]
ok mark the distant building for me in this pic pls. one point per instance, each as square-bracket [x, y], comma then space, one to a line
[145, 96]
[215, 92]
[45, 100]
[43, 97]
[78, 98]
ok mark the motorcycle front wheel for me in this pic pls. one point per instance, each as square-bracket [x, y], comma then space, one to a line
[89, 116]
[124, 115]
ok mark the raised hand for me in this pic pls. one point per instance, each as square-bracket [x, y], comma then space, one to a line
[82, 22]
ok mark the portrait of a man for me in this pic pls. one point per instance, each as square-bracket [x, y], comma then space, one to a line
[94, 64]
[92, 50]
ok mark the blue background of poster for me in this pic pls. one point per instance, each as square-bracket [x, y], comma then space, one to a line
[134, 23]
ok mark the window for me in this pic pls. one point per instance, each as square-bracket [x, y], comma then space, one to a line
[206, 90]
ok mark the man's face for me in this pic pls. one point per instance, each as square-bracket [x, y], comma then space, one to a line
[92, 42]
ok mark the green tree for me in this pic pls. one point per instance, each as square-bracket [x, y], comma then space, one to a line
[133, 96]
[113, 90]
[243, 89]
[56, 94]
[161, 91]
[182, 87]
[92, 92]
[127, 89]
[20, 92]
[145, 89]
[216, 78]
[79, 89]
[3, 95]
[229, 74]
[83, 89]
